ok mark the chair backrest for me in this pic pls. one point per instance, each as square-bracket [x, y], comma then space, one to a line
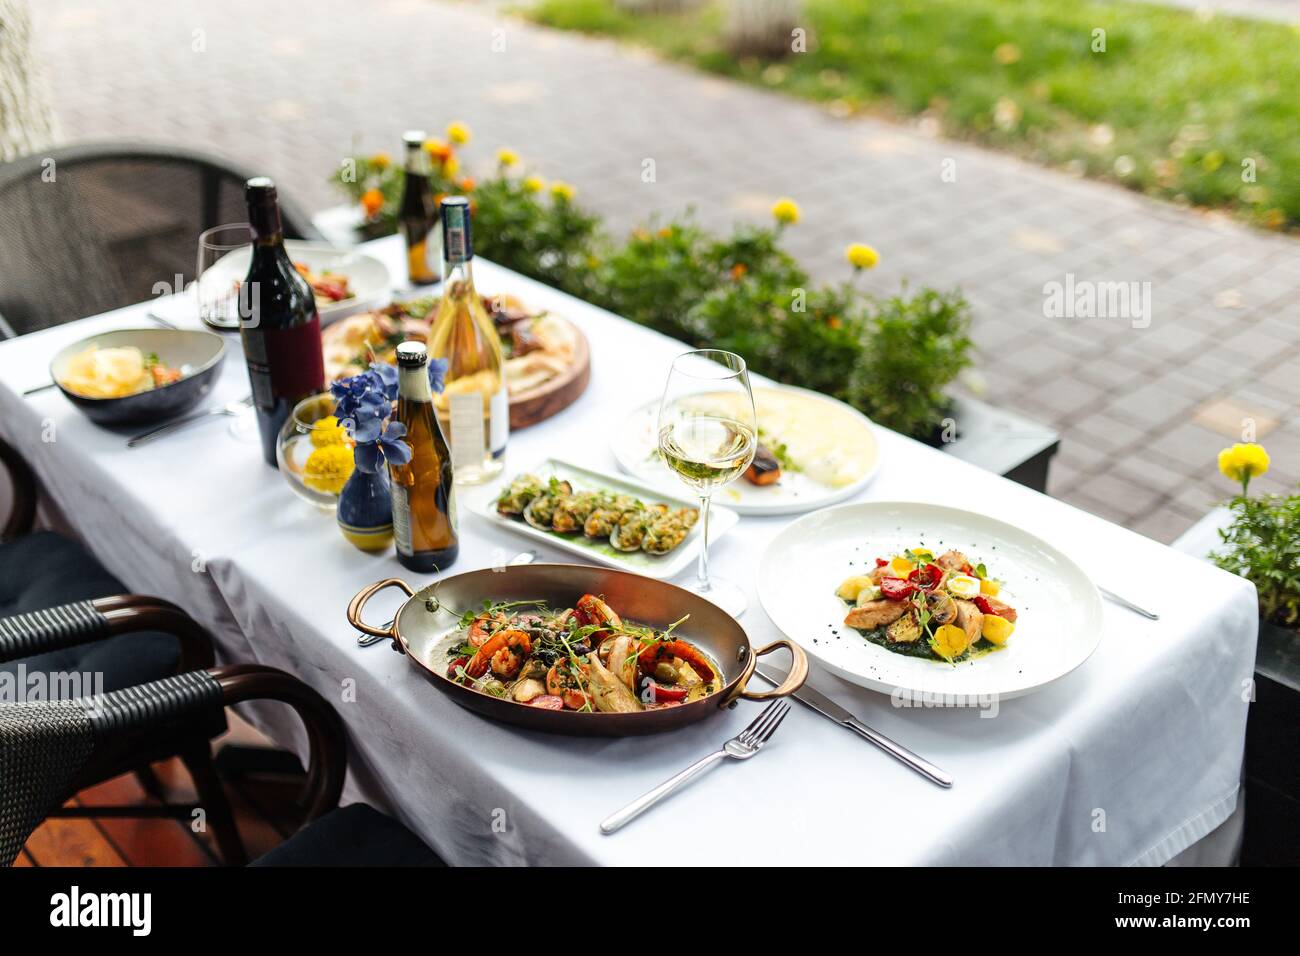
[50, 749]
[85, 229]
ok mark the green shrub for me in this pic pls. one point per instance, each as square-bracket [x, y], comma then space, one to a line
[891, 357]
[1262, 542]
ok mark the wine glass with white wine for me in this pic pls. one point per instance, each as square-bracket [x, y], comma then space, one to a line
[707, 436]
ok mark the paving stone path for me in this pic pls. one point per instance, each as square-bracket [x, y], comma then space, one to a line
[1144, 402]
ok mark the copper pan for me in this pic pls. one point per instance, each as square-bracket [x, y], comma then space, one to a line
[424, 636]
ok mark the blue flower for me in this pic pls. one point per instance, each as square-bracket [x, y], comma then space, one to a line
[348, 392]
[385, 446]
[368, 414]
[437, 372]
[387, 376]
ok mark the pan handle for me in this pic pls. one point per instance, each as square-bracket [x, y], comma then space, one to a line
[364, 595]
[793, 680]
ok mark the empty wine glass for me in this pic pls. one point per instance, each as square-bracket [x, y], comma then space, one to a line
[707, 436]
[216, 287]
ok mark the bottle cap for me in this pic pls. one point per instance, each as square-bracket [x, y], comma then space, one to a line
[414, 137]
[260, 184]
[412, 354]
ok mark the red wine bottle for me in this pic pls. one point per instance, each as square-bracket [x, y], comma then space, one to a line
[279, 324]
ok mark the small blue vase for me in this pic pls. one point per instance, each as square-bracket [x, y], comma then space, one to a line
[365, 511]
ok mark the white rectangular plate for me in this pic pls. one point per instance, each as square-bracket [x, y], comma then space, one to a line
[599, 550]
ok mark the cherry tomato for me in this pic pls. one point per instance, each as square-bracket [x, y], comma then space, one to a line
[896, 589]
[657, 693]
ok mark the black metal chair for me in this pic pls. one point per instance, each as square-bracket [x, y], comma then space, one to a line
[50, 750]
[64, 619]
[89, 228]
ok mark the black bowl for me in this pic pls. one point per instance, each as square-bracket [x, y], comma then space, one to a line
[197, 354]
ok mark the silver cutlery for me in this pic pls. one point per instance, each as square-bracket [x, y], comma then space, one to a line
[1125, 602]
[159, 320]
[523, 557]
[819, 702]
[740, 747]
[229, 409]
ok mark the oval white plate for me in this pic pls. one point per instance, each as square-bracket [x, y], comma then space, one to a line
[1059, 622]
[368, 277]
[635, 448]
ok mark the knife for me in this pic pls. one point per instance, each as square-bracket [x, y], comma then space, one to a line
[819, 702]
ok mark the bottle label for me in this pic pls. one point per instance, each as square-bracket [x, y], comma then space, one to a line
[402, 519]
[467, 440]
[457, 248]
[499, 427]
[284, 363]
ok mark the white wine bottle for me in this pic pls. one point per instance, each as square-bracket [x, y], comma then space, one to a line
[473, 408]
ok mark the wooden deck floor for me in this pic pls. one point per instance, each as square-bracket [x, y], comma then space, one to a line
[264, 810]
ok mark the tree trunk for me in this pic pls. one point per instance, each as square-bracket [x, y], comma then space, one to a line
[766, 28]
[27, 121]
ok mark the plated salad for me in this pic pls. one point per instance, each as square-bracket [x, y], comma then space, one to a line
[943, 608]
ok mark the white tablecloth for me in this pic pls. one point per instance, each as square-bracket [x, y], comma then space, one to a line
[1128, 760]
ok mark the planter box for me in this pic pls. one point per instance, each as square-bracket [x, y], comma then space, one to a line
[1272, 768]
[1002, 442]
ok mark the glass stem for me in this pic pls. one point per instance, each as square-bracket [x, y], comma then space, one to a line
[702, 575]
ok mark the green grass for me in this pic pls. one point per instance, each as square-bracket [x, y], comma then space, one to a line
[1172, 107]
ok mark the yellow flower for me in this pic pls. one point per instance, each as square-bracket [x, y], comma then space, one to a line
[437, 149]
[785, 211]
[533, 184]
[507, 157]
[328, 469]
[563, 191]
[328, 431]
[458, 133]
[381, 161]
[1242, 462]
[450, 165]
[862, 256]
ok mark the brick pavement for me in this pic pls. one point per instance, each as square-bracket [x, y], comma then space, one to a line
[292, 88]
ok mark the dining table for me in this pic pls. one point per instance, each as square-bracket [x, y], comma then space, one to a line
[1129, 759]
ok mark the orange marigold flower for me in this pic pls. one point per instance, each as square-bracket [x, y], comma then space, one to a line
[372, 200]
[466, 184]
[738, 271]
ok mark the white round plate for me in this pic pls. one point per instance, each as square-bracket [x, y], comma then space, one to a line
[838, 441]
[1057, 629]
[368, 277]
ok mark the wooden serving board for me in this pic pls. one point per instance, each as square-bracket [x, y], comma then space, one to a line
[555, 394]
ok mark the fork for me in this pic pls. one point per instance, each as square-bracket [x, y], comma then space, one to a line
[230, 408]
[742, 746]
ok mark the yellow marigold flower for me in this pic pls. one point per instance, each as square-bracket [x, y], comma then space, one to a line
[1242, 462]
[507, 157]
[862, 256]
[563, 191]
[458, 133]
[328, 469]
[328, 431]
[785, 211]
[450, 165]
[437, 149]
[533, 184]
[381, 161]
